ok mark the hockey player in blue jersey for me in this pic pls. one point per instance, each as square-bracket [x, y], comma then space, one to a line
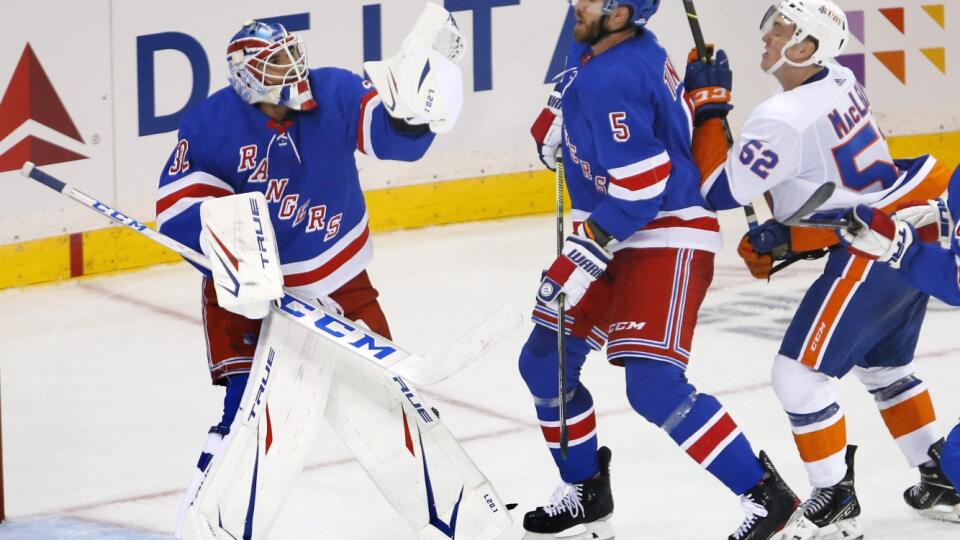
[290, 133]
[911, 241]
[633, 274]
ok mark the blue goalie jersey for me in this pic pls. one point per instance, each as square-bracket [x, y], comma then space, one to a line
[304, 166]
[627, 134]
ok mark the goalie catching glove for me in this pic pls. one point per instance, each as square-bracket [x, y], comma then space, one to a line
[237, 236]
[422, 84]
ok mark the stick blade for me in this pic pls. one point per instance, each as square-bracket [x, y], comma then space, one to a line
[472, 345]
[821, 195]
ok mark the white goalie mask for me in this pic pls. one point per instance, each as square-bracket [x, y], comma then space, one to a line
[821, 20]
[269, 65]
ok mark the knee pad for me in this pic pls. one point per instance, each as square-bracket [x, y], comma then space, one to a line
[800, 389]
[656, 389]
[538, 361]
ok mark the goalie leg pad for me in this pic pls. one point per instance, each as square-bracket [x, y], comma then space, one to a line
[245, 481]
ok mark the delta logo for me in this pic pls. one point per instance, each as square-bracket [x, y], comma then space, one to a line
[32, 116]
[895, 61]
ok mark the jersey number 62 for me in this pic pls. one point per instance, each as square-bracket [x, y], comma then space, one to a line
[759, 160]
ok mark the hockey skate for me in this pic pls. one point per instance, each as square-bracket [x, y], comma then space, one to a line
[934, 497]
[768, 505]
[830, 513]
[576, 511]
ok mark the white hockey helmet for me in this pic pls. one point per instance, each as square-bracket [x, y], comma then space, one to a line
[821, 20]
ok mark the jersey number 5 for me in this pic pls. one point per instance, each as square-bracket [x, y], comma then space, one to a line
[621, 132]
[850, 174]
[759, 160]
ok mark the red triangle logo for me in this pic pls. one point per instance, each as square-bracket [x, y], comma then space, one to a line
[30, 96]
[895, 16]
[39, 151]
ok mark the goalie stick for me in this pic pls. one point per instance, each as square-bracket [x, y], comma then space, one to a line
[421, 371]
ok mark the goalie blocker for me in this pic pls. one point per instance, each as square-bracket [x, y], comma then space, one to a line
[297, 379]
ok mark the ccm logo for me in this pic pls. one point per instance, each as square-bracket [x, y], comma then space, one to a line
[625, 325]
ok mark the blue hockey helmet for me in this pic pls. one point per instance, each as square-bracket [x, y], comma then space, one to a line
[269, 65]
[642, 9]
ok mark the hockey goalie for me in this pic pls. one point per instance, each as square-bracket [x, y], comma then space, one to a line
[264, 182]
[313, 365]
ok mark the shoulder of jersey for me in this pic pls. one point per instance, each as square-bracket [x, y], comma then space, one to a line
[219, 109]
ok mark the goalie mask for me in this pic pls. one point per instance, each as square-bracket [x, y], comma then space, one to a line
[269, 65]
[821, 20]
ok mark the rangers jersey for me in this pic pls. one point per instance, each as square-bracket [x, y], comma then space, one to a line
[627, 134]
[304, 166]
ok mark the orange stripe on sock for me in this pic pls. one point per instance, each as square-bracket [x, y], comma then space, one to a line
[910, 415]
[833, 310]
[822, 443]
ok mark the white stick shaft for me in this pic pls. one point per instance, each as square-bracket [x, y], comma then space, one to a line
[31, 171]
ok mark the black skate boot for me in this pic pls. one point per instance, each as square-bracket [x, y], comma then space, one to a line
[768, 505]
[934, 497]
[587, 505]
[830, 513]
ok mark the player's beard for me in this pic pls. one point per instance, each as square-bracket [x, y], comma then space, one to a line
[587, 31]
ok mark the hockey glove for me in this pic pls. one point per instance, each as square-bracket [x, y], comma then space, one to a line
[931, 220]
[763, 245]
[875, 235]
[582, 261]
[547, 130]
[709, 86]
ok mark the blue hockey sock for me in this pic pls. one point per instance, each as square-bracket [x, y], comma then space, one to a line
[950, 457]
[697, 422]
[538, 366]
[581, 462]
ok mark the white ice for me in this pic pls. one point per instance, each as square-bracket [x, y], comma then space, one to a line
[106, 399]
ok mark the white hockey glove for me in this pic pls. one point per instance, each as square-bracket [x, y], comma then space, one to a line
[547, 129]
[583, 259]
[422, 84]
[875, 235]
[237, 236]
[931, 219]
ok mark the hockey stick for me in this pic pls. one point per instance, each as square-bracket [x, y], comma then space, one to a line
[821, 195]
[561, 319]
[705, 56]
[419, 370]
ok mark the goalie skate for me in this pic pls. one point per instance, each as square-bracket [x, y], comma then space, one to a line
[579, 511]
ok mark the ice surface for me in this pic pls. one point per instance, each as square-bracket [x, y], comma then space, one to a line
[106, 398]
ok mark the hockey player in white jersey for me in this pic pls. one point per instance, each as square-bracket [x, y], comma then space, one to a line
[856, 316]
